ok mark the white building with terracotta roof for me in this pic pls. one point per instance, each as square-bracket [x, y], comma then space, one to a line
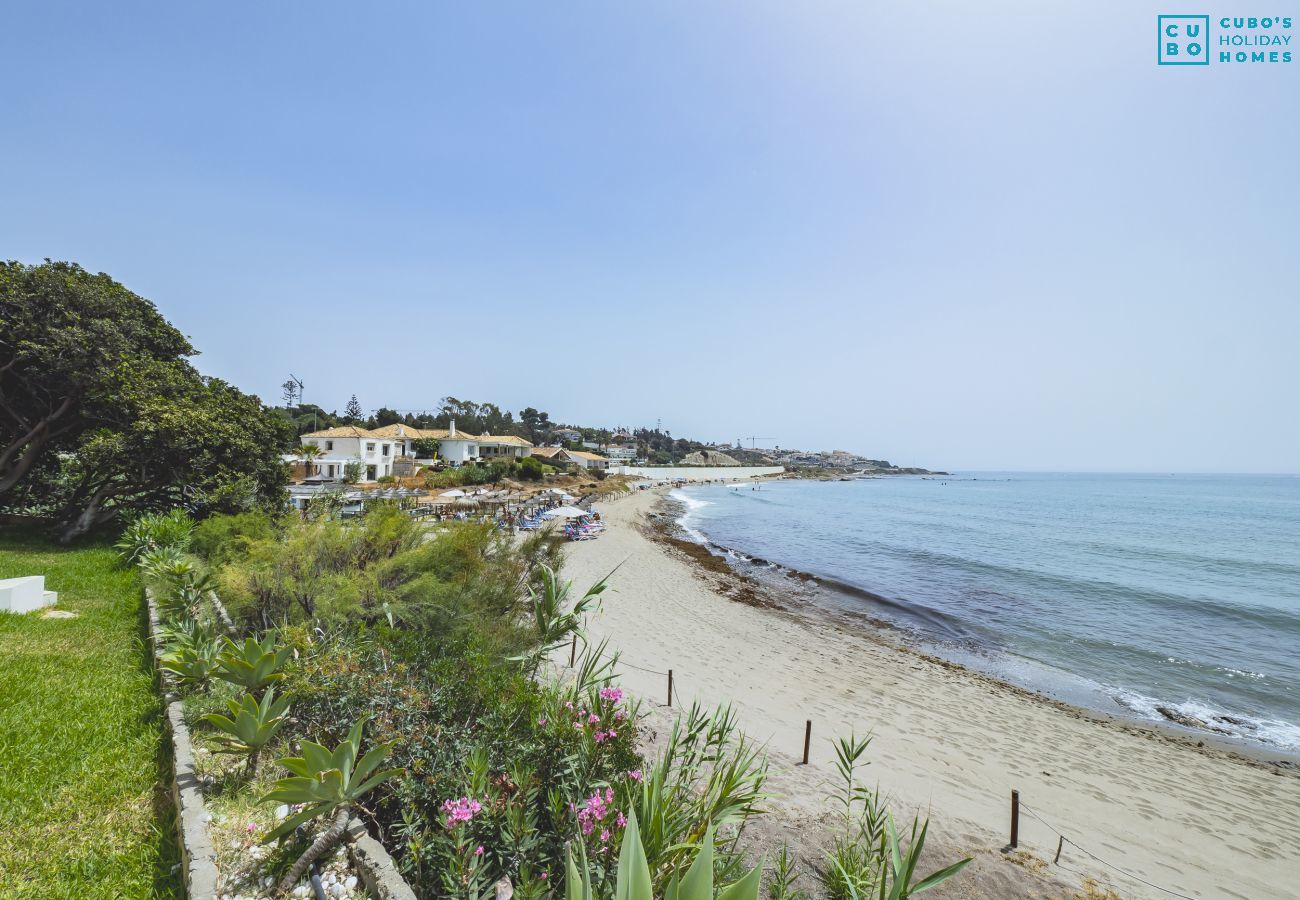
[348, 444]
[376, 449]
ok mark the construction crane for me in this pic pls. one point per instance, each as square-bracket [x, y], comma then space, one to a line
[753, 441]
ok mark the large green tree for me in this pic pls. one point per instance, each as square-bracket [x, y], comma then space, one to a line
[64, 333]
[103, 413]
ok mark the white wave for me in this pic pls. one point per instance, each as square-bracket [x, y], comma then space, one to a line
[691, 504]
[1274, 732]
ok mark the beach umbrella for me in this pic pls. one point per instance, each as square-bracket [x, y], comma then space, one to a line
[564, 512]
[455, 493]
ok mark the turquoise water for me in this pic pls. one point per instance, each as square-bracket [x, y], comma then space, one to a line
[1122, 593]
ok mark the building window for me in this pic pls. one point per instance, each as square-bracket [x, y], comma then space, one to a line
[385, 451]
[329, 445]
[370, 448]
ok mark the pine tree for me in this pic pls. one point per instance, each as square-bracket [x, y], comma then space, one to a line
[353, 409]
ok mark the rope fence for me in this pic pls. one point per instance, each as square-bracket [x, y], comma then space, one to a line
[1017, 805]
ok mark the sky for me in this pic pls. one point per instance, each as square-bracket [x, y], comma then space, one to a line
[954, 235]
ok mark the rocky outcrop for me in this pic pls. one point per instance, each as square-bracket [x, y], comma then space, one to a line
[709, 458]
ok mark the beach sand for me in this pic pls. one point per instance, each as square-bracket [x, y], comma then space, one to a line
[1204, 822]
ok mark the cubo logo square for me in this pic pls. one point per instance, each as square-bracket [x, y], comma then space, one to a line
[1183, 40]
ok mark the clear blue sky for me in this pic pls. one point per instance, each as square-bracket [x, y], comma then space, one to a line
[952, 234]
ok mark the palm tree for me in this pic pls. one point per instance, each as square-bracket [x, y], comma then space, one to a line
[309, 453]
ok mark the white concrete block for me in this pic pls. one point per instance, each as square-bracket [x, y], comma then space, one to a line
[22, 595]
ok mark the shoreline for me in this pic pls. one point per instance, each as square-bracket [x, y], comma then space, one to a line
[948, 740]
[878, 629]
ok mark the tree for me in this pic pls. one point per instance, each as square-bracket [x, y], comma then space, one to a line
[536, 423]
[425, 448]
[353, 410]
[289, 392]
[308, 453]
[65, 337]
[177, 439]
[385, 416]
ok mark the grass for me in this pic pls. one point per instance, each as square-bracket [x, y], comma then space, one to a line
[83, 812]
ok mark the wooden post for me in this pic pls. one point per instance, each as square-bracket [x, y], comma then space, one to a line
[807, 740]
[1015, 819]
[670, 687]
[1059, 844]
[573, 650]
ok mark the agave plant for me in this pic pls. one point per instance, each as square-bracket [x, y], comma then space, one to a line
[158, 562]
[191, 653]
[253, 664]
[326, 782]
[632, 881]
[153, 531]
[251, 725]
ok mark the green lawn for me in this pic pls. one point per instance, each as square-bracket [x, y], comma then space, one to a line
[82, 809]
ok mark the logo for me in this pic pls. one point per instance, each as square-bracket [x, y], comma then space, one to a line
[1183, 40]
[1186, 41]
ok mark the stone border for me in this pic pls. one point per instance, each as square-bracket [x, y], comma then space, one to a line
[374, 865]
[198, 856]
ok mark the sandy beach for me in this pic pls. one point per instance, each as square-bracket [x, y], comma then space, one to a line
[1203, 822]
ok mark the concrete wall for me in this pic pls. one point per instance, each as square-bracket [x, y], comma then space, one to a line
[697, 473]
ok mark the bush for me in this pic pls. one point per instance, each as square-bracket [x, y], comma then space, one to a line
[387, 479]
[491, 758]
[532, 469]
[425, 448]
[351, 472]
[219, 539]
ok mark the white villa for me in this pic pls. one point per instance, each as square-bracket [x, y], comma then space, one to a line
[377, 449]
[585, 460]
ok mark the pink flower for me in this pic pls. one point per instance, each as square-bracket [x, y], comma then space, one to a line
[622, 820]
[594, 810]
[604, 834]
[541, 720]
[545, 875]
[479, 851]
[635, 774]
[593, 719]
[619, 715]
[460, 811]
[611, 694]
[600, 737]
[612, 734]
[251, 827]
[568, 704]
[609, 795]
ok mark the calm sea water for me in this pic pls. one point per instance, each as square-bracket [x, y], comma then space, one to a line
[1121, 593]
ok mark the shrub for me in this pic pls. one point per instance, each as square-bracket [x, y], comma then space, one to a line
[425, 448]
[538, 761]
[221, 538]
[352, 472]
[532, 469]
[387, 479]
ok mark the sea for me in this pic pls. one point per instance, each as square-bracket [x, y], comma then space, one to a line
[1150, 597]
